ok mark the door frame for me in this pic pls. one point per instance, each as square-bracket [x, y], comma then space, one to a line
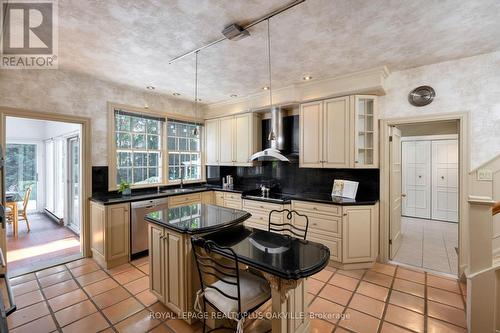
[464, 166]
[69, 175]
[86, 166]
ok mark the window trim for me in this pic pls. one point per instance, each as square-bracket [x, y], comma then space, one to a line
[112, 150]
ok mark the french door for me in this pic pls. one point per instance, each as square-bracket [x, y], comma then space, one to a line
[74, 181]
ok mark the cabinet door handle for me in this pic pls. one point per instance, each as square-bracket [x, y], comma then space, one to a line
[345, 214]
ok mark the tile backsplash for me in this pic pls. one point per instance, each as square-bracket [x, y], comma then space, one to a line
[289, 178]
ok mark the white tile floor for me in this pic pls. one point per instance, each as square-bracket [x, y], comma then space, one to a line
[429, 244]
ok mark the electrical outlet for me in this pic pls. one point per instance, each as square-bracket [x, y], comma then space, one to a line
[484, 174]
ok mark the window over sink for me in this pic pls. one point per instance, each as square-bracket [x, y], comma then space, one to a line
[148, 148]
[184, 150]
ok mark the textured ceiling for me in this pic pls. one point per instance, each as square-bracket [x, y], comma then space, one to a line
[131, 41]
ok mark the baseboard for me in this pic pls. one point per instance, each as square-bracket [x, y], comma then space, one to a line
[53, 216]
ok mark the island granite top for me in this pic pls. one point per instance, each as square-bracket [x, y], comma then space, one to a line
[280, 255]
[197, 218]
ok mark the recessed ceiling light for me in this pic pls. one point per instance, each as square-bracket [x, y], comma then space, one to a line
[265, 87]
[150, 88]
[176, 94]
[234, 95]
[307, 78]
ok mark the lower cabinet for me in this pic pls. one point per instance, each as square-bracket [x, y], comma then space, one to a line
[110, 233]
[260, 213]
[360, 234]
[227, 199]
[350, 232]
[171, 269]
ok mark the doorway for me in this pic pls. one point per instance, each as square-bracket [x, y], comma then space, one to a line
[422, 164]
[42, 192]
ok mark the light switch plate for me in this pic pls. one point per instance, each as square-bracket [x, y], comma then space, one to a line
[484, 174]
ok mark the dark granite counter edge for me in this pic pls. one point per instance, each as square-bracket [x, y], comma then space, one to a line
[150, 196]
[339, 203]
[318, 200]
[297, 197]
[199, 231]
[288, 275]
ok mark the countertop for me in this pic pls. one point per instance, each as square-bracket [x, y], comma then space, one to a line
[287, 257]
[197, 218]
[317, 197]
[114, 198]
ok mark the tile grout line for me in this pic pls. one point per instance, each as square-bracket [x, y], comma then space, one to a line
[426, 310]
[386, 303]
[350, 298]
[99, 310]
[46, 300]
[132, 295]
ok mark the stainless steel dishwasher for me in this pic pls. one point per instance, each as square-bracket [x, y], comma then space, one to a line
[139, 226]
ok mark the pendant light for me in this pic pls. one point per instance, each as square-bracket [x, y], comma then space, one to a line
[195, 131]
[272, 135]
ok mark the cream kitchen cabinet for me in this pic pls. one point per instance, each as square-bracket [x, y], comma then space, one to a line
[360, 234]
[232, 140]
[350, 232]
[260, 213]
[227, 199]
[365, 131]
[110, 233]
[185, 199]
[339, 133]
[171, 268]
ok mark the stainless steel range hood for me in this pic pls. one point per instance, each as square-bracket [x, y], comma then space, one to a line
[277, 140]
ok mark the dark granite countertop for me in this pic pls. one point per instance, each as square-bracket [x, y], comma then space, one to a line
[115, 198]
[197, 218]
[328, 199]
[287, 257]
[325, 198]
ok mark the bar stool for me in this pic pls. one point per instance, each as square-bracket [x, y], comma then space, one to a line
[236, 293]
[288, 227]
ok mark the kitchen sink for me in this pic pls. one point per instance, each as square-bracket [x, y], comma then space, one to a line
[182, 190]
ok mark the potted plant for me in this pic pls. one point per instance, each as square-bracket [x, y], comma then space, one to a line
[124, 188]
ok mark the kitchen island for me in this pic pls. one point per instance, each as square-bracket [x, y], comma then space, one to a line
[173, 278]
[285, 262]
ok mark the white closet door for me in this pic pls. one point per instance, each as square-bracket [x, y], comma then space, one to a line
[445, 180]
[417, 178]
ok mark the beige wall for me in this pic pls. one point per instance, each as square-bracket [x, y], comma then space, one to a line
[469, 84]
[70, 93]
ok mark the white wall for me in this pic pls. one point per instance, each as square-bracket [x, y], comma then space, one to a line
[58, 91]
[469, 84]
[24, 129]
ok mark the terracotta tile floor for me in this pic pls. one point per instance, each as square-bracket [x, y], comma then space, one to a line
[82, 297]
[47, 241]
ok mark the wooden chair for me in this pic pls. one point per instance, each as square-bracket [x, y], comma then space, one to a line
[23, 213]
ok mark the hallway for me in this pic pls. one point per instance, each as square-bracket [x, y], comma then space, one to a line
[429, 244]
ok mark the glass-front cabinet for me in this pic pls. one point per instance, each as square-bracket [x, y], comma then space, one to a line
[366, 131]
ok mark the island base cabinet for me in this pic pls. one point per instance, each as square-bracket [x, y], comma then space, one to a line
[110, 233]
[172, 277]
[155, 235]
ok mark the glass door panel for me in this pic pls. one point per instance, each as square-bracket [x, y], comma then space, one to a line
[74, 184]
[21, 171]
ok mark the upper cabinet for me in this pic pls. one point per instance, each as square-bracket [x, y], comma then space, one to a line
[232, 140]
[366, 131]
[339, 133]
